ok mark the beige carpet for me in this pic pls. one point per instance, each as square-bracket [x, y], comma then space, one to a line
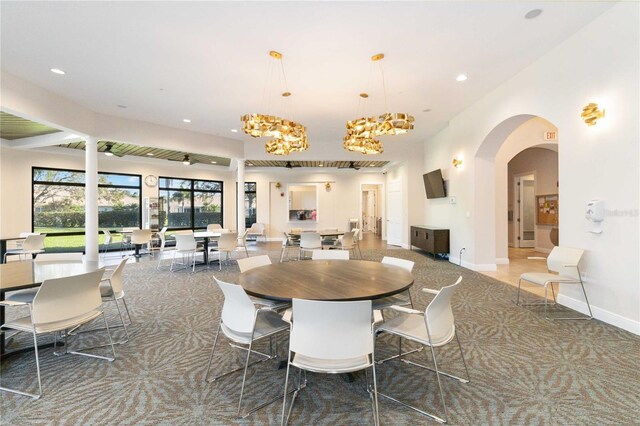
[524, 369]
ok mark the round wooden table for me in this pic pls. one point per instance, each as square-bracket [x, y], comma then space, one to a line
[335, 280]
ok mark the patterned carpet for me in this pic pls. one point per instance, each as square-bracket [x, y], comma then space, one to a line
[524, 369]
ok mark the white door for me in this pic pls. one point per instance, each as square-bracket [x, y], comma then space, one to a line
[394, 213]
[526, 209]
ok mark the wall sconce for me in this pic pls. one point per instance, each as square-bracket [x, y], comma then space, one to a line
[327, 186]
[278, 185]
[456, 162]
[591, 114]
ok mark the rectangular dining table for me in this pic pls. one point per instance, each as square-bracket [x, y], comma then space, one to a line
[28, 274]
[3, 245]
[206, 237]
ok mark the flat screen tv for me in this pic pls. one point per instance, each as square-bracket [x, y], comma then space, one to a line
[434, 184]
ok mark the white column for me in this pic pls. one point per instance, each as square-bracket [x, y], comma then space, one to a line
[240, 208]
[91, 199]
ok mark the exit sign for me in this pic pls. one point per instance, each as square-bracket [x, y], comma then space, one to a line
[550, 136]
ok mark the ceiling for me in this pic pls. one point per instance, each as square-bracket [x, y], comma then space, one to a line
[13, 127]
[338, 164]
[123, 149]
[207, 61]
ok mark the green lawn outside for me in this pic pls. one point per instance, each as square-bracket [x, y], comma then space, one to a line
[68, 242]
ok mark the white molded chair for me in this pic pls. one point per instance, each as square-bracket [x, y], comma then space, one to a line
[330, 255]
[257, 230]
[309, 241]
[127, 232]
[187, 247]
[61, 304]
[27, 295]
[564, 262]
[433, 328]
[330, 337]
[242, 242]
[162, 235]
[141, 237]
[245, 324]
[227, 243]
[288, 243]
[108, 239]
[402, 299]
[248, 264]
[346, 242]
[33, 244]
[112, 290]
[214, 227]
[357, 232]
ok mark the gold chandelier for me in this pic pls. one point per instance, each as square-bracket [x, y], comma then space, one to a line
[288, 136]
[361, 131]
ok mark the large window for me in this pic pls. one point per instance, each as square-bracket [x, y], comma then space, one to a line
[189, 203]
[250, 204]
[59, 203]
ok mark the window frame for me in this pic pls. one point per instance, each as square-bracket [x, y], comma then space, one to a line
[192, 190]
[83, 185]
[245, 192]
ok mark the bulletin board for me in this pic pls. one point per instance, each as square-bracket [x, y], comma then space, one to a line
[547, 209]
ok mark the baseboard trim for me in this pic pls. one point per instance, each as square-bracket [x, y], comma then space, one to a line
[502, 260]
[474, 267]
[601, 314]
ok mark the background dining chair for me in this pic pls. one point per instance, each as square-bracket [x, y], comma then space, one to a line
[213, 227]
[227, 244]
[243, 323]
[33, 244]
[433, 328]
[288, 243]
[108, 239]
[187, 247]
[330, 337]
[256, 231]
[330, 255]
[564, 262]
[59, 305]
[141, 237]
[112, 290]
[357, 232]
[162, 235]
[346, 242]
[250, 263]
[125, 242]
[242, 242]
[309, 241]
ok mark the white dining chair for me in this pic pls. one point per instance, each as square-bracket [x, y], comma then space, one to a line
[346, 242]
[309, 241]
[214, 227]
[112, 290]
[245, 324]
[60, 304]
[562, 264]
[162, 235]
[330, 255]
[357, 232]
[250, 263]
[242, 242]
[141, 237]
[435, 327]
[330, 337]
[256, 231]
[108, 239]
[187, 247]
[127, 232]
[33, 244]
[228, 243]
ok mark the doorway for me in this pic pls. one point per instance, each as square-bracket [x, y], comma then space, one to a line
[371, 209]
[525, 211]
[394, 213]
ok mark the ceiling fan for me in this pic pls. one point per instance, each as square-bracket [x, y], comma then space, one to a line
[352, 165]
[109, 151]
[290, 165]
[186, 160]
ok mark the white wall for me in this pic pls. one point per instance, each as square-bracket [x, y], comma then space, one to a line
[335, 207]
[15, 180]
[544, 164]
[599, 63]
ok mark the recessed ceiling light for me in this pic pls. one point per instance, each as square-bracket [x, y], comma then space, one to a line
[249, 164]
[461, 77]
[534, 13]
[214, 162]
[57, 71]
[186, 120]
[234, 130]
[321, 165]
[372, 165]
[121, 106]
[426, 110]
[150, 154]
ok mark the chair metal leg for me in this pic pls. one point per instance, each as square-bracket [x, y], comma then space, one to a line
[113, 349]
[376, 414]
[463, 359]
[126, 332]
[286, 385]
[244, 374]
[586, 299]
[518, 297]
[31, 395]
[124, 301]
[400, 354]
[215, 341]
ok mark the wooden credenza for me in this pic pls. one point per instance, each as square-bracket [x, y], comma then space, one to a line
[430, 239]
